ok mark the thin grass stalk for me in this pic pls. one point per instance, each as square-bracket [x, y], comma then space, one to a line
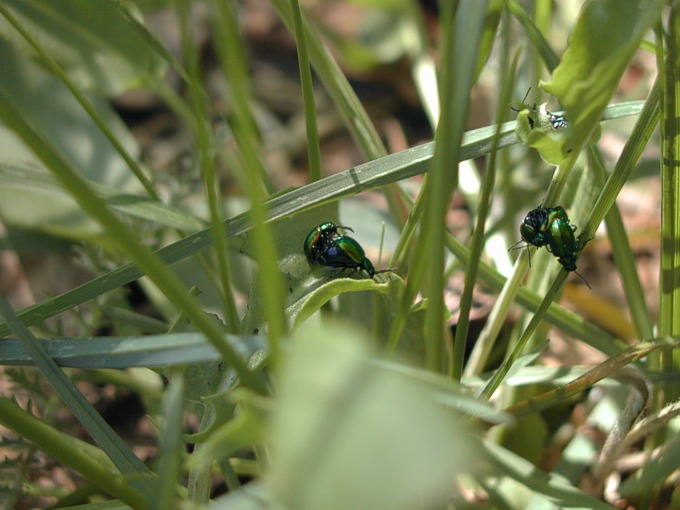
[669, 278]
[232, 59]
[669, 269]
[116, 449]
[338, 87]
[147, 262]
[546, 53]
[478, 236]
[632, 150]
[313, 145]
[356, 119]
[461, 31]
[623, 257]
[500, 374]
[83, 100]
[70, 452]
[206, 163]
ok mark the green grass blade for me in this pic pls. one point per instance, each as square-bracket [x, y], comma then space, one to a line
[124, 352]
[254, 179]
[637, 141]
[83, 100]
[28, 179]
[149, 262]
[119, 453]
[335, 81]
[478, 236]
[669, 279]
[169, 461]
[624, 259]
[205, 149]
[553, 488]
[76, 454]
[313, 145]
[370, 175]
[462, 28]
[605, 369]
[540, 44]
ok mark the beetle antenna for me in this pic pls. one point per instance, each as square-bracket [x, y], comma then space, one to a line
[516, 247]
[524, 99]
[390, 270]
[382, 271]
[584, 280]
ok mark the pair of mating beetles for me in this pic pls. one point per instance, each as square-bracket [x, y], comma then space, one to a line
[328, 247]
[550, 227]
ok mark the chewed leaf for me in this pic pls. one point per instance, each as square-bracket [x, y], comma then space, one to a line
[606, 36]
[536, 129]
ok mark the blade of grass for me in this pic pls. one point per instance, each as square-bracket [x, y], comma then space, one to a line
[462, 28]
[478, 235]
[253, 178]
[313, 146]
[551, 487]
[124, 352]
[632, 150]
[134, 206]
[623, 258]
[540, 44]
[517, 349]
[71, 452]
[336, 84]
[669, 271]
[149, 263]
[605, 369]
[119, 453]
[169, 460]
[351, 110]
[80, 97]
[668, 44]
[205, 156]
[370, 175]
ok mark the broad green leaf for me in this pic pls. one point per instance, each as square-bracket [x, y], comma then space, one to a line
[350, 434]
[600, 48]
[93, 41]
[244, 430]
[46, 194]
[549, 142]
[45, 102]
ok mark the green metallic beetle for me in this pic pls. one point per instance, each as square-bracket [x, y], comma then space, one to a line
[550, 227]
[538, 225]
[562, 242]
[319, 238]
[325, 246]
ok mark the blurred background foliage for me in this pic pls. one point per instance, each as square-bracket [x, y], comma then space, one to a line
[162, 163]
